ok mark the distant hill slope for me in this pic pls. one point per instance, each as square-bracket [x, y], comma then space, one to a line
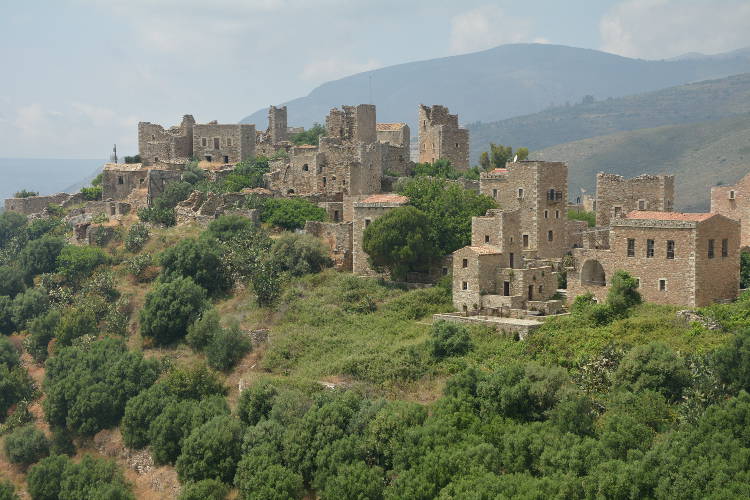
[701, 155]
[506, 81]
[695, 102]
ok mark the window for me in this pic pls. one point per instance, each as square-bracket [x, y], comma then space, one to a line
[335, 216]
[710, 249]
[511, 260]
[153, 137]
[526, 241]
[725, 247]
[208, 158]
[494, 193]
[226, 159]
[731, 195]
[445, 271]
[217, 144]
[204, 142]
[325, 182]
[637, 282]
[156, 159]
[506, 288]
[641, 204]
[305, 167]
[465, 263]
[551, 194]
[367, 222]
[464, 285]
[541, 289]
[649, 248]
[662, 285]
[618, 212]
[668, 205]
[486, 238]
[550, 236]
[119, 180]
[670, 249]
[229, 141]
[520, 192]
[546, 214]
[631, 247]
[557, 214]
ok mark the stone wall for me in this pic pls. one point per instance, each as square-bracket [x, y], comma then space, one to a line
[156, 144]
[35, 204]
[338, 238]
[396, 138]
[157, 180]
[224, 143]
[364, 212]
[441, 137]
[352, 123]
[334, 209]
[119, 180]
[734, 202]
[616, 196]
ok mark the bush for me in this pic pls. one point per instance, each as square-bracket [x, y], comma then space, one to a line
[448, 339]
[207, 489]
[40, 256]
[170, 309]
[733, 362]
[28, 305]
[139, 266]
[12, 225]
[623, 294]
[309, 136]
[257, 479]
[174, 192]
[227, 347]
[255, 403]
[93, 478]
[76, 263]
[15, 386]
[137, 237]
[266, 282]
[588, 217]
[87, 387]
[42, 330]
[26, 445]
[198, 259]
[11, 281]
[8, 354]
[8, 491]
[300, 254]
[7, 326]
[141, 411]
[92, 193]
[203, 330]
[656, 367]
[163, 216]
[196, 382]
[291, 213]
[24, 193]
[74, 323]
[211, 451]
[227, 227]
[44, 479]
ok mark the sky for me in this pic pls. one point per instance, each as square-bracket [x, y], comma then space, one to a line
[78, 75]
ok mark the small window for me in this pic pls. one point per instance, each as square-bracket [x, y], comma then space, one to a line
[325, 182]
[445, 271]
[710, 249]
[486, 238]
[204, 142]
[156, 159]
[217, 144]
[526, 241]
[637, 282]
[229, 141]
[631, 247]
[335, 216]
[649, 248]
[662, 285]
[557, 214]
[119, 180]
[464, 285]
[668, 205]
[153, 137]
[546, 214]
[367, 222]
[226, 159]
[670, 249]
[305, 167]
[494, 193]
[641, 204]
[550, 236]
[618, 212]
[520, 193]
[209, 158]
[465, 263]
[731, 195]
[541, 289]
[725, 247]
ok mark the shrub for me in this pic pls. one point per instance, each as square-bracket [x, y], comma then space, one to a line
[207, 489]
[137, 237]
[171, 308]
[24, 193]
[40, 256]
[588, 217]
[28, 305]
[44, 479]
[8, 354]
[11, 281]
[733, 362]
[196, 382]
[623, 293]
[132, 159]
[300, 254]
[448, 339]
[141, 411]
[198, 259]
[15, 386]
[309, 136]
[227, 347]
[291, 213]
[266, 282]
[653, 366]
[93, 478]
[174, 192]
[257, 479]
[7, 326]
[76, 263]
[255, 403]
[139, 266]
[12, 225]
[92, 193]
[26, 445]
[8, 491]
[163, 216]
[203, 330]
[74, 323]
[227, 227]
[211, 451]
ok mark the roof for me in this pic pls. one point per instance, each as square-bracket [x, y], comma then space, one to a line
[389, 126]
[484, 249]
[499, 170]
[306, 146]
[677, 216]
[386, 198]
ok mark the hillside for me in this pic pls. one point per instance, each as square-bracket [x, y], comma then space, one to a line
[695, 102]
[701, 155]
[499, 83]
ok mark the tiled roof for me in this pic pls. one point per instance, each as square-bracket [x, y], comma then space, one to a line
[389, 126]
[642, 214]
[386, 198]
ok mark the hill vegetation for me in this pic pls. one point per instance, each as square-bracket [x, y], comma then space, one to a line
[700, 155]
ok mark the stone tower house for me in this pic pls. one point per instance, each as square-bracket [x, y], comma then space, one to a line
[352, 124]
[441, 137]
[277, 124]
[616, 196]
[734, 202]
[155, 144]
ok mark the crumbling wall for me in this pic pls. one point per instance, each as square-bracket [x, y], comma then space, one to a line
[156, 144]
[616, 196]
[338, 238]
[119, 180]
[352, 123]
[441, 137]
[396, 140]
[35, 204]
[157, 180]
[224, 143]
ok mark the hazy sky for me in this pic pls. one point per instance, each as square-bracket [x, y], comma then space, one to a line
[79, 74]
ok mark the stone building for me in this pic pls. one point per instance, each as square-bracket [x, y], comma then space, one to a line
[157, 144]
[338, 239]
[364, 212]
[539, 191]
[276, 136]
[120, 179]
[396, 141]
[441, 137]
[224, 143]
[678, 258]
[35, 204]
[352, 124]
[734, 202]
[616, 196]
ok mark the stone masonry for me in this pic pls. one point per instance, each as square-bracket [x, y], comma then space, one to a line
[678, 258]
[441, 137]
[156, 144]
[366, 211]
[616, 196]
[224, 143]
[396, 140]
[734, 202]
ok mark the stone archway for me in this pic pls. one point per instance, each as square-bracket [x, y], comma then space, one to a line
[592, 273]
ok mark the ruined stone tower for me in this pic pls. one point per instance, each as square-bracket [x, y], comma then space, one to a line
[277, 124]
[352, 123]
[441, 137]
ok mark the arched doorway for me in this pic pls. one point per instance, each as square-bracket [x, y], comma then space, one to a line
[592, 273]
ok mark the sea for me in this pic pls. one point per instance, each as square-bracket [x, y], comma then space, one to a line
[46, 175]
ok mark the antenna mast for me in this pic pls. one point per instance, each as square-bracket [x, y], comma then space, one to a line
[113, 156]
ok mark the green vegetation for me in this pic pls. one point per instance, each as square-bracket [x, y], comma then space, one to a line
[25, 194]
[170, 308]
[287, 213]
[136, 238]
[247, 174]
[58, 477]
[309, 136]
[132, 159]
[26, 445]
[499, 155]
[588, 217]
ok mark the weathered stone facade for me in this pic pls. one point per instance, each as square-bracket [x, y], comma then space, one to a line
[680, 259]
[35, 204]
[202, 208]
[120, 179]
[539, 190]
[396, 140]
[616, 196]
[441, 137]
[352, 124]
[155, 144]
[338, 238]
[734, 202]
[276, 137]
[364, 212]
[224, 143]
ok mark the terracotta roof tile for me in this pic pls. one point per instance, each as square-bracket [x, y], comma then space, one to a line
[386, 198]
[694, 217]
[389, 126]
